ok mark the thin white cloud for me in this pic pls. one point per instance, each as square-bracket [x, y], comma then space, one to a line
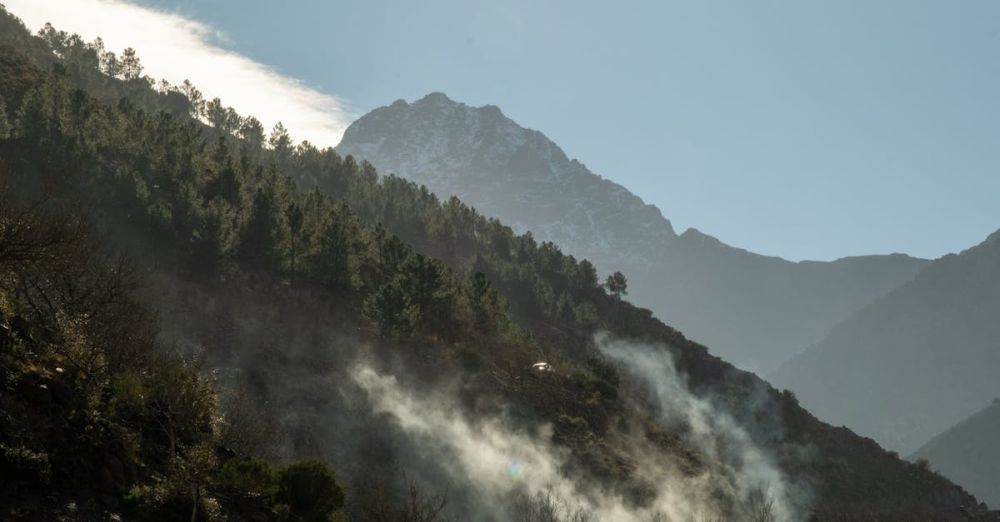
[176, 48]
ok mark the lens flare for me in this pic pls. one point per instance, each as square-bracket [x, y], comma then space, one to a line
[515, 470]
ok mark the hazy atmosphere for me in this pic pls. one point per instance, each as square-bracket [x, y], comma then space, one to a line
[529, 262]
[803, 131]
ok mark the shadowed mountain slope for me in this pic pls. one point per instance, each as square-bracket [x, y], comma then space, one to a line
[915, 362]
[969, 453]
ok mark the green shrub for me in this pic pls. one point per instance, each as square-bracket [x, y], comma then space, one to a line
[164, 501]
[569, 426]
[595, 384]
[310, 490]
[25, 465]
[253, 476]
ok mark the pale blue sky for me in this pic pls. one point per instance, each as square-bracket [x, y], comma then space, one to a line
[809, 130]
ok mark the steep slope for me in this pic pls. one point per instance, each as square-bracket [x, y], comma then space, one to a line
[304, 311]
[969, 453]
[753, 310]
[915, 362]
[510, 172]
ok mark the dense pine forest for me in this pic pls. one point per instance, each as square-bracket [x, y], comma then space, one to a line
[203, 320]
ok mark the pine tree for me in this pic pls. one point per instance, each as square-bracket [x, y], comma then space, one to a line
[389, 308]
[31, 117]
[391, 252]
[617, 285]
[225, 184]
[110, 65]
[131, 67]
[259, 238]
[213, 239]
[334, 262]
[195, 98]
[281, 143]
[489, 309]
[5, 126]
[295, 216]
[252, 133]
[215, 113]
[428, 287]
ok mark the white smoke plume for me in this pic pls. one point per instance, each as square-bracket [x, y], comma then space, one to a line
[498, 462]
[741, 467]
[493, 460]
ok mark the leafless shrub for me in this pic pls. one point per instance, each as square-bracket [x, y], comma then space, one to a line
[545, 506]
[759, 506]
[415, 506]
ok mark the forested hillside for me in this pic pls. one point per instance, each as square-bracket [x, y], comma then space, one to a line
[753, 310]
[305, 312]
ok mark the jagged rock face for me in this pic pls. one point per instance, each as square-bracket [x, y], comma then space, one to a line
[507, 171]
[753, 310]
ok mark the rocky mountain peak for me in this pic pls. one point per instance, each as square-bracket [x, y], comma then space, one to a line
[479, 154]
[435, 98]
[752, 309]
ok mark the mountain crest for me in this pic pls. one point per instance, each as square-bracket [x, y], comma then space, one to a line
[436, 97]
[477, 154]
[752, 309]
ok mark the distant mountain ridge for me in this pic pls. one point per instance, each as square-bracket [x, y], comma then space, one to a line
[508, 171]
[915, 362]
[969, 454]
[750, 309]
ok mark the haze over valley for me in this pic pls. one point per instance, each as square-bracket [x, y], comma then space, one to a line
[239, 283]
